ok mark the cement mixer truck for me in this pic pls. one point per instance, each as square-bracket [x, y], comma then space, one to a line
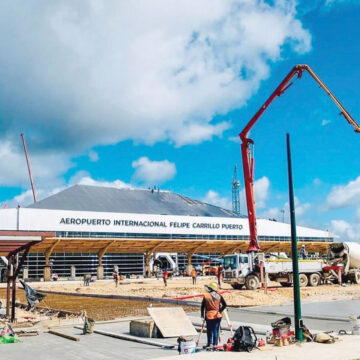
[346, 256]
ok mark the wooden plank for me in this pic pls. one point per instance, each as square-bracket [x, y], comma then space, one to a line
[172, 322]
[66, 336]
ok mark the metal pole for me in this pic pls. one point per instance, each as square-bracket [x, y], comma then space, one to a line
[294, 252]
[29, 168]
[13, 294]
[8, 288]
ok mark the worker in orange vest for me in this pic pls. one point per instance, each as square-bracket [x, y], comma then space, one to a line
[193, 276]
[212, 306]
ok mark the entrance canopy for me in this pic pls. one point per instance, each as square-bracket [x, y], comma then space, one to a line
[12, 242]
[141, 246]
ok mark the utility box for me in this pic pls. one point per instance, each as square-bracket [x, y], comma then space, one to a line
[144, 328]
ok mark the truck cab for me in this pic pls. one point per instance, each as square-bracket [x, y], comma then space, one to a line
[237, 272]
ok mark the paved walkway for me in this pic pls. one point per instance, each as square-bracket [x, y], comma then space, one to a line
[347, 349]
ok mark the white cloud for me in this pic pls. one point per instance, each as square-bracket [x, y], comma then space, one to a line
[93, 156]
[197, 133]
[345, 230]
[344, 195]
[98, 72]
[153, 172]
[81, 178]
[325, 122]
[212, 197]
[261, 188]
[272, 213]
[46, 166]
[26, 197]
[277, 212]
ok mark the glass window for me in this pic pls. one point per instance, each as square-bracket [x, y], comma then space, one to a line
[230, 262]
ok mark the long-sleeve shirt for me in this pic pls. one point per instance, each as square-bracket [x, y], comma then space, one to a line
[223, 306]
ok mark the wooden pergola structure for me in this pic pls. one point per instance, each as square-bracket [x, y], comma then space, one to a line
[101, 246]
[12, 243]
[16, 245]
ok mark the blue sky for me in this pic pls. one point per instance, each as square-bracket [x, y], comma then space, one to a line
[147, 93]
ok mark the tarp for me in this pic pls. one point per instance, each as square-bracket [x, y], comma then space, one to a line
[32, 296]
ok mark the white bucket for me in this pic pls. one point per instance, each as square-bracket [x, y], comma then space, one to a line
[187, 347]
[355, 323]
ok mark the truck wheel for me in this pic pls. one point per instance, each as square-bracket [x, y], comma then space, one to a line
[285, 284]
[252, 282]
[303, 279]
[357, 277]
[314, 279]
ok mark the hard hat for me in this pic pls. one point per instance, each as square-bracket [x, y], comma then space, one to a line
[212, 286]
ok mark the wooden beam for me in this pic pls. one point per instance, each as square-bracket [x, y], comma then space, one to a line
[102, 251]
[157, 246]
[22, 260]
[196, 248]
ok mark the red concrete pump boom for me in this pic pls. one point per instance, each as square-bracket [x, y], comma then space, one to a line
[247, 144]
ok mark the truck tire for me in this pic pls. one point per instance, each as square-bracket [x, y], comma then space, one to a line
[286, 284]
[357, 277]
[314, 279]
[303, 280]
[252, 282]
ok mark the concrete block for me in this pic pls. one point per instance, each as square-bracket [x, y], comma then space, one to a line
[100, 272]
[72, 271]
[143, 328]
[25, 273]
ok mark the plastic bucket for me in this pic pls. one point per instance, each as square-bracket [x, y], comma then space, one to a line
[187, 347]
[355, 323]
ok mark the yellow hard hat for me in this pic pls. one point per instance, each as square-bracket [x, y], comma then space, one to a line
[212, 286]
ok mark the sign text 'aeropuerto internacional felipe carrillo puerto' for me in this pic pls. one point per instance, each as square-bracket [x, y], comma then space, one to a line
[106, 222]
[146, 223]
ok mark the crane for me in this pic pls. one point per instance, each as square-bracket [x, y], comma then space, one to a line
[235, 193]
[247, 144]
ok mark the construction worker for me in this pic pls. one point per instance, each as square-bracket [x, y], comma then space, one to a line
[193, 276]
[165, 276]
[303, 252]
[116, 278]
[212, 306]
[219, 274]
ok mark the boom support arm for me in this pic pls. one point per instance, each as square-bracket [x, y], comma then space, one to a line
[247, 144]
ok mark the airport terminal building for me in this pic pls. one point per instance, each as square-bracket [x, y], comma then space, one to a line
[125, 221]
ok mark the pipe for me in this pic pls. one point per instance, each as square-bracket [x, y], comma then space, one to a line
[29, 168]
[199, 295]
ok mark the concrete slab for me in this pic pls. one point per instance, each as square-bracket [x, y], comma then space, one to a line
[50, 347]
[336, 308]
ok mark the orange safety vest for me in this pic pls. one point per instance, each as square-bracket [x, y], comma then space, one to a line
[212, 306]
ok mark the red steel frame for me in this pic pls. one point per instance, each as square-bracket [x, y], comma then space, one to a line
[247, 144]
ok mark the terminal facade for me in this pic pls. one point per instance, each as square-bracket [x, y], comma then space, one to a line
[94, 212]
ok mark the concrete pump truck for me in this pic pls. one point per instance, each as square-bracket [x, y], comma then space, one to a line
[247, 269]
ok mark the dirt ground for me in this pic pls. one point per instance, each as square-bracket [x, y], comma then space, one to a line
[276, 295]
[96, 308]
